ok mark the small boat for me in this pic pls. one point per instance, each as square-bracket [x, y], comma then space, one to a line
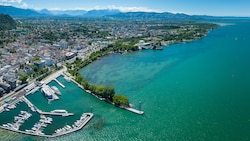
[56, 90]
[48, 92]
[67, 78]
[5, 125]
[158, 48]
[59, 111]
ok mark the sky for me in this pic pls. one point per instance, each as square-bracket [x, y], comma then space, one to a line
[192, 7]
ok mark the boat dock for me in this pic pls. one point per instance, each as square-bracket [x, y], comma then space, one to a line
[27, 101]
[10, 104]
[54, 114]
[79, 124]
[59, 83]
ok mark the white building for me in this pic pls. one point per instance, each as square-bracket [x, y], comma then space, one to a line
[64, 44]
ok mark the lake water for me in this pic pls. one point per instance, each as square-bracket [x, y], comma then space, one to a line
[190, 91]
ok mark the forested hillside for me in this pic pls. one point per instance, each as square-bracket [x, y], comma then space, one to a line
[6, 22]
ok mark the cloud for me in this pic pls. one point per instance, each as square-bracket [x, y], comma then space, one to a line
[113, 7]
[11, 1]
[16, 3]
[55, 8]
[133, 9]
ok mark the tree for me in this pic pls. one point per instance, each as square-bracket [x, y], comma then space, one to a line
[109, 92]
[99, 90]
[23, 78]
[12, 51]
[35, 68]
[120, 100]
[105, 92]
[37, 58]
[79, 78]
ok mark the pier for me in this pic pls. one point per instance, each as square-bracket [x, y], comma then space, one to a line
[54, 114]
[27, 101]
[134, 110]
[59, 83]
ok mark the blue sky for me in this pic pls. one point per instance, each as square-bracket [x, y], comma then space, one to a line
[193, 7]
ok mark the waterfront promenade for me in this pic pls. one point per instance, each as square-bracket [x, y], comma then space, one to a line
[54, 75]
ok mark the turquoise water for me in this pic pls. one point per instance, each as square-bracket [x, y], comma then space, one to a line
[190, 91]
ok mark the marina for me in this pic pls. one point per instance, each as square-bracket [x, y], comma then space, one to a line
[39, 126]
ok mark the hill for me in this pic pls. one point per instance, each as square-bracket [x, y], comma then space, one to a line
[18, 12]
[101, 13]
[7, 22]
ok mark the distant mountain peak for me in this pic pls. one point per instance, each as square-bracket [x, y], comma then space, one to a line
[18, 12]
[101, 12]
[107, 13]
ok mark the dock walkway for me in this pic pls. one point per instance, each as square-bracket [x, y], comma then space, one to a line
[134, 110]
[54, 114]
[27, 101]
[59, 83]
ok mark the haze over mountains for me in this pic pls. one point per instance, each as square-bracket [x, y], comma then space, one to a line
[107, 13]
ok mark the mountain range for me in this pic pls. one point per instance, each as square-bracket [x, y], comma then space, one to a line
[106, 13]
